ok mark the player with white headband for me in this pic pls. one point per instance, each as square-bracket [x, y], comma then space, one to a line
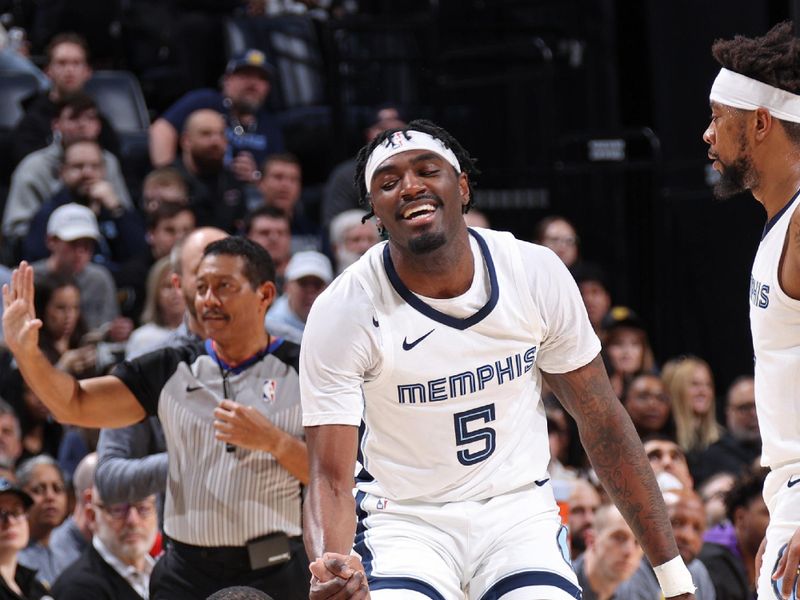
[423, 364]
[754, 141]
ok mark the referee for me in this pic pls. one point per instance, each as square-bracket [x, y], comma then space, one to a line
[230, 408]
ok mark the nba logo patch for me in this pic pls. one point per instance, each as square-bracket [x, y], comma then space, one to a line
[268, 391]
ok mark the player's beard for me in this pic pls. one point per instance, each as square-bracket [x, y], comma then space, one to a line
[427, 242]
[737, 177]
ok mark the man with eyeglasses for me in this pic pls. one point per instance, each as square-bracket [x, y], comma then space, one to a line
[117, 564]
[739, 447]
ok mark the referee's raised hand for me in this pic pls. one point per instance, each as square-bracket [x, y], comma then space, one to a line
[20, 325]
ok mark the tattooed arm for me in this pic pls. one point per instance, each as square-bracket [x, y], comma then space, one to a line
[790, 265]
[617, 455]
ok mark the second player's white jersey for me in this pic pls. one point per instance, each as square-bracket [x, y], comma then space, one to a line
[446, 392]
[775, 323]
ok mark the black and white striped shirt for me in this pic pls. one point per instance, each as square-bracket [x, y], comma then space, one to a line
[215, 497]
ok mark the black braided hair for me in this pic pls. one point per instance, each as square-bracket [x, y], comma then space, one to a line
[773, 58]
[466, 161]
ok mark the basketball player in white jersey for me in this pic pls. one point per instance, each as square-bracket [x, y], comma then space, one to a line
[423, 363]
[754, 140]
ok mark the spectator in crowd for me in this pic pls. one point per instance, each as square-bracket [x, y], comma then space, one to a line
[68, 69]
[163, 311]
[10, 434]
[16, 581]
[476, 218]
[117, 564]
[280, 187]
[307, 275]
[43, 480]
[611, 557]
[14, 58]
[84, 182]
[595, 290]
[732, 565]
[559, 438]
[740, 445]
[38, 177]
[251, 130]
[164, 185]
[688, 520]
[351, 237]
[270, 228]
[215, 196]
[57, 300]
[340, 193]
[208, 547]
[169, 223]
[71, 538]
[584, 501]
[72, 233]
[690, 385]
[668, 462]
[648, 405]
[239, 592]
[626, 347]
[133, 460]
[558, 234]
[712, 492]
[40, 432]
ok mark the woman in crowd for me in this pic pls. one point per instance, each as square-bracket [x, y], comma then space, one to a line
[164, 307]
[560, 236]
[57, 301]
[647, 403]
[690, 385]
[16, 582]
[41, 478]
[627, 349]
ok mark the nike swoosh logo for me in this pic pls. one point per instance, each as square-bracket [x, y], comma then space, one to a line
[409, 345]
[190, 388]
[375, 322]
[793, 483]
[541, 482]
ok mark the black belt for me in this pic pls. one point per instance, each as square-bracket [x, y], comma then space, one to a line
[230, 555]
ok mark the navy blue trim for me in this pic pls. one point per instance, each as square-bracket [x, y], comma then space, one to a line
[771, 223]
[776, 585]
[404, 583]
[245, 364]
[431, 312]
[531, 578]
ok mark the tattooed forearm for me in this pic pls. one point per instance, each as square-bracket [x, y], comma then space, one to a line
[616, 453]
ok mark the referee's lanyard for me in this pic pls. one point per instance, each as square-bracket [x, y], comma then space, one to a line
[225, 370]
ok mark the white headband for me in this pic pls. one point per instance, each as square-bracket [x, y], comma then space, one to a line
[398, 142]
[739, 91]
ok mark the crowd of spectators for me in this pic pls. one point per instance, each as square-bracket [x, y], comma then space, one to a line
[115, 261]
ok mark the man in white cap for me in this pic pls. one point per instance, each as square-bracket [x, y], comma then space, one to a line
[425, 360]
[307, 275]
[754, 141]
[72, 233]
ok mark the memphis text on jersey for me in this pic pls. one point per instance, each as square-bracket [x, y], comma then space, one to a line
[467, 382]
[759, 293]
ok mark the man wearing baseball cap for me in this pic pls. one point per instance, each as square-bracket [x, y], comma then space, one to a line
[307, 275]
[252, 131]
[72, 233]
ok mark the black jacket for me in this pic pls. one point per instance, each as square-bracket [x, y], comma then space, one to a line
[727, 572]
[26, 580]
[92, 578]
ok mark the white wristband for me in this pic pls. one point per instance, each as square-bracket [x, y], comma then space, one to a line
[674, 578]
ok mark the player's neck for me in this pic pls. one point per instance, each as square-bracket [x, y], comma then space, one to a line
[444, 273]
[779, 182]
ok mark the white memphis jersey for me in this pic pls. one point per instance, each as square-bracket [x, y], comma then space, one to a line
[775, 324]
[446, 392]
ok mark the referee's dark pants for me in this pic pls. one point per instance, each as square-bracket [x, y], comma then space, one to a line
[187, 572]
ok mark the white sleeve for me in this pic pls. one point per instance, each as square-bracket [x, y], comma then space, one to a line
[570, 342]
[339, 350]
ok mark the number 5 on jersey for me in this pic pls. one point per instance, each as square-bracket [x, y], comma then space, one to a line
[465, 435]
